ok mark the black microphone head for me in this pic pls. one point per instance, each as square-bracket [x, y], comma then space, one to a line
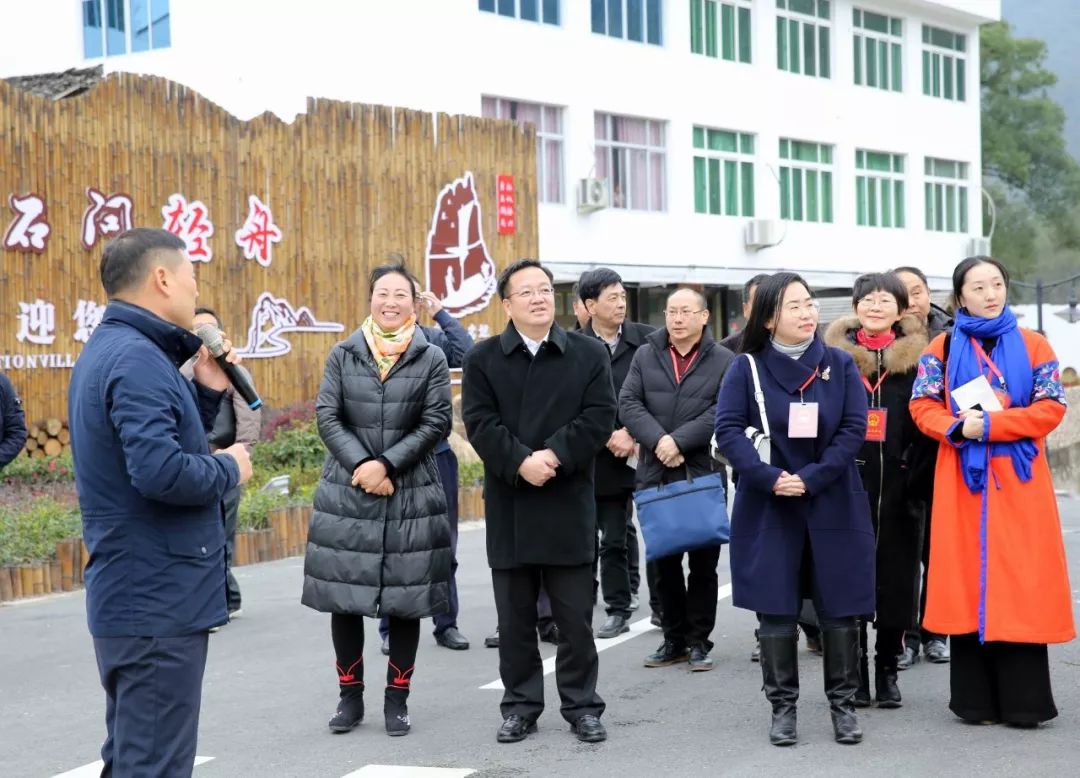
[211, 337]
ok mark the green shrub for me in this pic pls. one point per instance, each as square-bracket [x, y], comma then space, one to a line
[29, 534]
[470, 473]
[255, 507]
[297, 447]
[44, 470]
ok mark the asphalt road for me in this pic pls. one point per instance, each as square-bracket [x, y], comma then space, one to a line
[270, 688]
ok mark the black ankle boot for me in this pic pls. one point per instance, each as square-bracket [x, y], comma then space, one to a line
[780, 676]
[841, 648]
[350, 709]
[396, 712]
[886, 690]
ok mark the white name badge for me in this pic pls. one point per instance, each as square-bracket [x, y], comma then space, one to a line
[976, 392]
[802, 420]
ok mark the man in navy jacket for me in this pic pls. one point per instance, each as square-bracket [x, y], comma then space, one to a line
[150, 495]
[12, 423]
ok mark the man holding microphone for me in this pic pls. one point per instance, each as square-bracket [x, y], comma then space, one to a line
[150, 495]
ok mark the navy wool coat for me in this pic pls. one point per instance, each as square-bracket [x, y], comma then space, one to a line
[768, 533]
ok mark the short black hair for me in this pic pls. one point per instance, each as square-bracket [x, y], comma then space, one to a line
[202, 309]
[965, 267]
[915, 272]
[126, 259]
[702, 300]
[767, 301]
[516, 267]
[390, 268]
[593, 282]
[748, 287]
[880, 282]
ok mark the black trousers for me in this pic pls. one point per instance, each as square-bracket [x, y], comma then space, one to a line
[688, 604]
[153, 692]
[576, 665]
[231, 506]
[1000, 681]
[887, 646]
[918, 637]
[633, 552]
[447, 463]
[614, 517]
[347, 632]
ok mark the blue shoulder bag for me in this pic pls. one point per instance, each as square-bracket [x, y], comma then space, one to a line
[683, 516]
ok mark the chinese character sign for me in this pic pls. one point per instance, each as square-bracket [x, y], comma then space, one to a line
[105, 216]
[190, 221]
[87, 317]
[506, 205]
[483, 332]
[29, 230]
[37, 323]
[259, 232]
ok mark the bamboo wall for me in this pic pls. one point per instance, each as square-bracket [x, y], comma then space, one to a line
[347, 184]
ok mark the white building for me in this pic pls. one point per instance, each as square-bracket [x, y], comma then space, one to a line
[735, 137]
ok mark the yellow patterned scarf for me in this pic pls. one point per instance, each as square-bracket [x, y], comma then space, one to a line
[387, 347]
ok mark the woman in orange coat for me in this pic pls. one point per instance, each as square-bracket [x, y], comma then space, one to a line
[998, 579]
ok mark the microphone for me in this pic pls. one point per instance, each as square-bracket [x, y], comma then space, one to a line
[240, 379]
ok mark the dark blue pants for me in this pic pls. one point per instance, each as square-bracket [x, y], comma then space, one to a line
[153, 690]
[448, 472]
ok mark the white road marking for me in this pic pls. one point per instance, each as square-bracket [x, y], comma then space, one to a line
[403, 771]
[93, 770]
[639, 627]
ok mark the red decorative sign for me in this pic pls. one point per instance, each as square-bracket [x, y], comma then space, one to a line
[459, 269]
[507, 207]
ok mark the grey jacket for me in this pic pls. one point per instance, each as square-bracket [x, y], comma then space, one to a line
[371, 555]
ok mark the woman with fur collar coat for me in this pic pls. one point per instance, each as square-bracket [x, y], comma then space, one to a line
[886, 343]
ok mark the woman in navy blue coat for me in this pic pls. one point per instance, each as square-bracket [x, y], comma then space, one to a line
[800, 522]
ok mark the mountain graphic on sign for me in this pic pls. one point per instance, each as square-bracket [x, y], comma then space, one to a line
[458, 267]
[273, 316]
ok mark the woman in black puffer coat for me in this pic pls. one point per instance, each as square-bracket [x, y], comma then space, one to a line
[379, 541]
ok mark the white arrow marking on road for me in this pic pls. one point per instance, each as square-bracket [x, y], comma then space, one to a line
[639, 627]
[93, 770]
[402, 771]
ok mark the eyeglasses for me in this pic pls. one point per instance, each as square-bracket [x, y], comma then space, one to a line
[797, 309]
[684, 313]
[528, 294]
[879, 302]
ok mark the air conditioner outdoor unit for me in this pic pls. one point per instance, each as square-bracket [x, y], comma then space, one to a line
[763, 232]
[979, 247]
[592, 194]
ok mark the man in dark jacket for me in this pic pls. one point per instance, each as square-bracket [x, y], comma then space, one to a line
[733, 342]
[604, 297]
[12, 423]
[538, 405]
[668, 403]
[150, 494]
[937, 321]
[453, 340]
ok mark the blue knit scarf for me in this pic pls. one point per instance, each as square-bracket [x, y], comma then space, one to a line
[1011, 357]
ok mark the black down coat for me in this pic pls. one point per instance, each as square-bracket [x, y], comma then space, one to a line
[893, 471]
[371, 555]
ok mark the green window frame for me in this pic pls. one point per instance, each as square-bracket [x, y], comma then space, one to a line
[721, 29]
[878, 50]
[944, 64]
[723, 172]
[879, 189]
[806, 181]
[946, 193]
[803, 34]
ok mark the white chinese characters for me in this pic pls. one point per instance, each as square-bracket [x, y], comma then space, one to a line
[30, 229]
[105, 216]
[87, 317]
[37, 323]
[259, 233]
[190, 221]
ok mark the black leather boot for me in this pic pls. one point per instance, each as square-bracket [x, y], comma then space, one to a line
[350, 710]
[862, 694]
[780, 677]
[396, 711]
[886, 690]
[841, 648]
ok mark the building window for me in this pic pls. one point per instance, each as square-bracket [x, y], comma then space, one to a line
[721, 29]
[546, 11]
[946, 195]
[630, 155]
[944, 64]
[635, 20]
[723, 172]
[879, 59]
[879, 189]
[112, 27]
[806, 190]
[549, 139]
[802, 36]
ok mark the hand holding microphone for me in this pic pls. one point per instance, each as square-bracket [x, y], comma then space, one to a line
[228, 362]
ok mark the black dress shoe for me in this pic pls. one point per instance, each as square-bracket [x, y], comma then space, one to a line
[451, 638]
[492, 640]
[549, 634]
[668, 654]
[385, 646]
[589, 729]
[515, 728]
[613, 627]
[700, 661]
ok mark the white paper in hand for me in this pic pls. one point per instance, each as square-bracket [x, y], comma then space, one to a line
[976, 392]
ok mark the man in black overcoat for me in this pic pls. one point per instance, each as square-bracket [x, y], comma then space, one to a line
[538, 405]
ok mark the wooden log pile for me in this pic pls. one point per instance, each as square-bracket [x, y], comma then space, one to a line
[47, 438]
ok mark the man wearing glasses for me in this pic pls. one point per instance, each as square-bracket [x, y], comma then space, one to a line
[538, 405]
